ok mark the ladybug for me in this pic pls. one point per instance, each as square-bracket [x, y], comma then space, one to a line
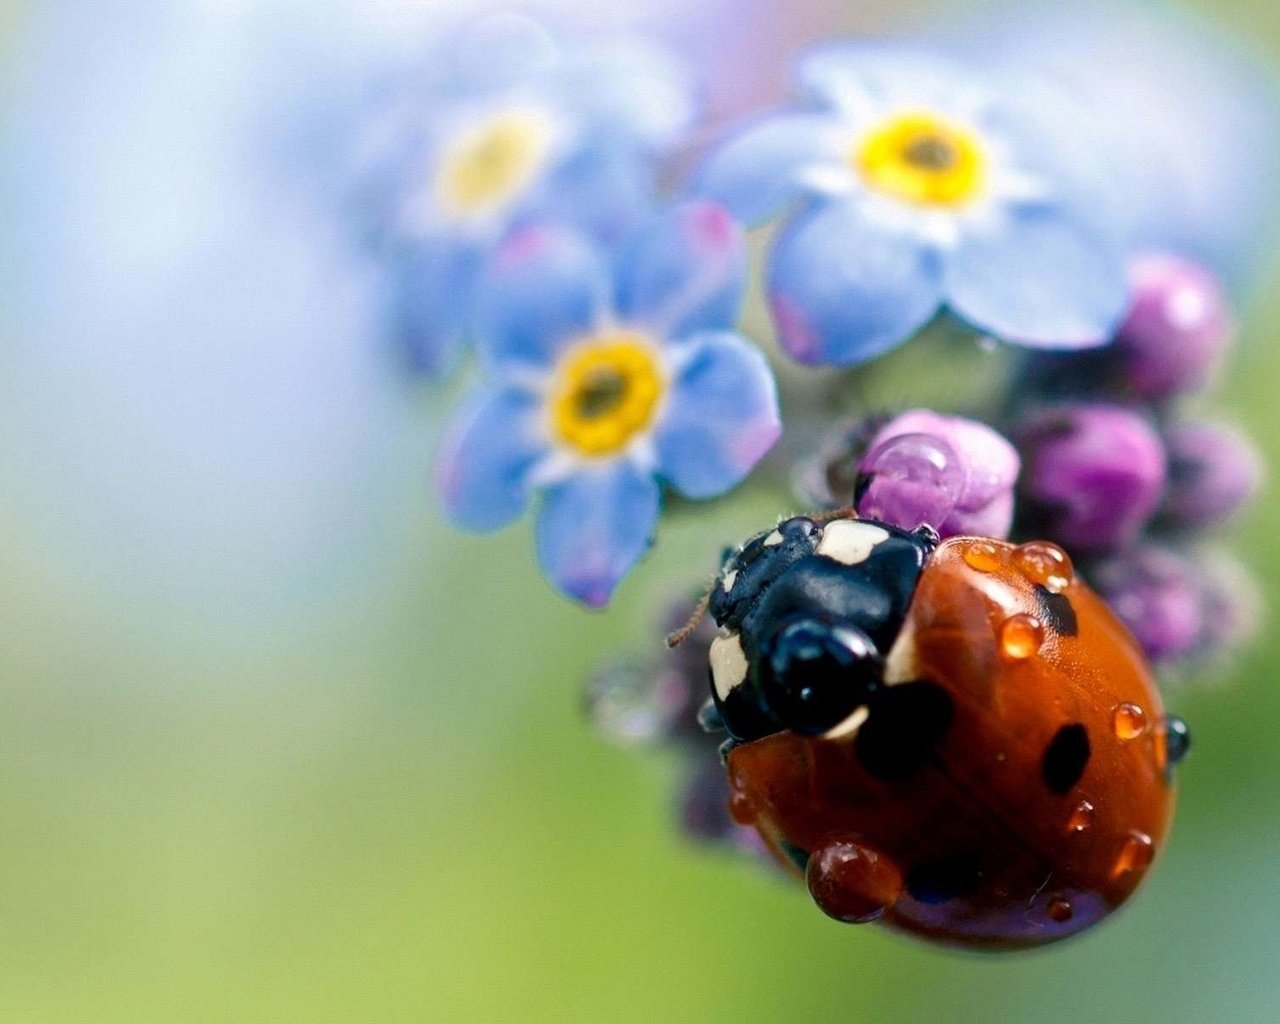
[958, 739]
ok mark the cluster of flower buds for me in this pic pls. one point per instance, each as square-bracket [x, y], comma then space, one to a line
[1118, 472]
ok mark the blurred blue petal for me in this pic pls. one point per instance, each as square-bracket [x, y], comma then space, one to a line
[603, 190]
[722, 415]
[839, 73]
[482, 471]
[686, 270]
[431, 298]
[759, 171]
[594, 527]
[1191, 117]
[1042, 279]
[546, 286]
[632, 90]
[845, 288]
[503, 51]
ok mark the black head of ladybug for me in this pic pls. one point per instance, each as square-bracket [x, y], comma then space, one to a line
[806, 612]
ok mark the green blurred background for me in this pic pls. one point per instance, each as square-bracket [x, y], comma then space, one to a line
[381, 803]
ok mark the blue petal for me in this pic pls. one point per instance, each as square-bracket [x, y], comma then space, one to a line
[1211, 194]
[684, 271]
[545, 286]
[432, 288]
[845, 288]
[632, 90]
[843, 73]
[759, 171]
[1043, 279]
[603, 190]
[500, 51]
[721, 417]
[484, 466]
[594, 527]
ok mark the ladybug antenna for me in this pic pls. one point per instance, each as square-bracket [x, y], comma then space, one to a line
[679, 636]
[831, 515]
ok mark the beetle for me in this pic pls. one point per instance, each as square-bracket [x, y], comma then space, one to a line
[958, 739]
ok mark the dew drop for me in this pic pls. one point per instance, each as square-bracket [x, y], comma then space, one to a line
[852, 883]
[1020, 637]
[983, 556]
[909, 480]
[1046, 564]
[1081, 818]
[1128, 721]
[1136, 854]
[1060, 909]
[1173, 743]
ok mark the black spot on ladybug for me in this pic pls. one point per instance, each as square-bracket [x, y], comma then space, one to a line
[1065, 758]
[797, 856]
[947, 878]
[904, 725]
[1056, 611]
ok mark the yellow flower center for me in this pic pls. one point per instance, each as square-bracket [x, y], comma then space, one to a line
[922, 159]
[491, 164]
[606, 391]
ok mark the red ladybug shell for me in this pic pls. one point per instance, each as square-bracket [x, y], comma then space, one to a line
[1011, 789]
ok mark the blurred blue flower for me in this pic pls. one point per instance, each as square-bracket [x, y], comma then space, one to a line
[923, 189]
[506, 129]
[1190, 115]
[602, 380]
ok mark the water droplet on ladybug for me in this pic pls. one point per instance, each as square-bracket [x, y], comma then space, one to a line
[1136, 854]
[1021, 637]
[1046, 564]
[983, 556]
[1128, 721]
[1081, 817]
[1177, 739]
[1059, 909]
[852, 883]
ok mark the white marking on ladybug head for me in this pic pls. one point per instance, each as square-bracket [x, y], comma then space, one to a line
[774, 539]
[728, 665]
[850, 541]
[848, 727]
[730, 578]
[900, 665]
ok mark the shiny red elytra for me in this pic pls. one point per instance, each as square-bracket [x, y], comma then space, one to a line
[996, 775]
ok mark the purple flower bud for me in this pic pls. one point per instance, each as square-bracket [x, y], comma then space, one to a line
[1157, 594]
[1232, 601]
[1093, 477]
[1177, 327]
[955, 474]
[1213, 470]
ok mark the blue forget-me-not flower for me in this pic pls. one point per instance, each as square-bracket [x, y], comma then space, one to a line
[507, 129]
[603, 378]
[922, 189]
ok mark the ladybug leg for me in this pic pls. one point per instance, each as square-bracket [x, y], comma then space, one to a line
[852, 882]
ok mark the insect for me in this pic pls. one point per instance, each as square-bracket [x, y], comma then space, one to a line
[958, 739]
